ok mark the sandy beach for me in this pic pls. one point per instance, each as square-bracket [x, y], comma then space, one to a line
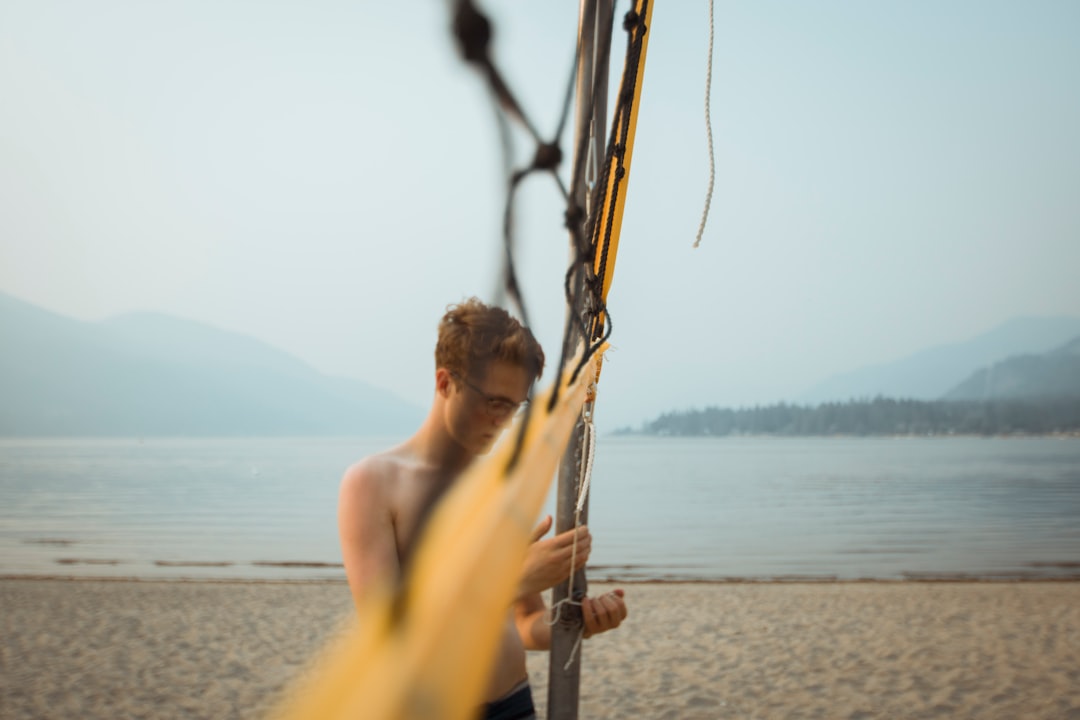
[151, 649]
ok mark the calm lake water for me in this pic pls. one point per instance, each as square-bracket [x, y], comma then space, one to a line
[701, 508]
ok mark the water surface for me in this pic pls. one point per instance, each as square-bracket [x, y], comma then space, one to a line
[680, 508]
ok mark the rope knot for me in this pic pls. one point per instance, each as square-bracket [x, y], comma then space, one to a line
[575, 216]
[630, 20]
[548, 156]
[595, 283]
[473, 32]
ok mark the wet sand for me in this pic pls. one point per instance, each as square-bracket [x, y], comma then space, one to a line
[152, 649]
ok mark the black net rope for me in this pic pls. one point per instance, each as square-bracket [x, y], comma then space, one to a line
[473, 32]
[584, 279]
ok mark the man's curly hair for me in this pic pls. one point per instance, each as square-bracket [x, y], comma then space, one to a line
[472, 333]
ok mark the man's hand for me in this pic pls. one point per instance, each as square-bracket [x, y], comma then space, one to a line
[603, 613]
[547, 562]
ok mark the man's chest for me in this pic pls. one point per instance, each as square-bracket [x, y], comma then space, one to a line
[412, 502]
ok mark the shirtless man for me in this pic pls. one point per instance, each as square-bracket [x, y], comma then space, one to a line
[485, 365]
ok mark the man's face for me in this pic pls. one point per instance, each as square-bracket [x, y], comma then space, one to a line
[485, 403]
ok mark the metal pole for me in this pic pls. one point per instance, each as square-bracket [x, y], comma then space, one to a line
[564, 675]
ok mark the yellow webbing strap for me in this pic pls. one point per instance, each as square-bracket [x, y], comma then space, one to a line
[628, 141]
[431, 656]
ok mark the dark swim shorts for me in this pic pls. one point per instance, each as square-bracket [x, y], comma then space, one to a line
[516, 705]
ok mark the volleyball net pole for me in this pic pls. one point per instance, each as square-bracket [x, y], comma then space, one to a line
[564, 676]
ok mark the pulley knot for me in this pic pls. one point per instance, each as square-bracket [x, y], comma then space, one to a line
[575, 216]
[548, 156]
[473, 32]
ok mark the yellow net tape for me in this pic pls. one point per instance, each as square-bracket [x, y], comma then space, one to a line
[627, 140]
[431, 656]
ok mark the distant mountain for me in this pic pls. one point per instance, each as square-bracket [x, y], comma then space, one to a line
[931, 373]
[150, 374]
[1055, 374]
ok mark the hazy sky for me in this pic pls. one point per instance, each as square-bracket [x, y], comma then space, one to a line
[324, 176]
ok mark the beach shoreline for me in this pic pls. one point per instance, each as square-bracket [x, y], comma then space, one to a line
[912, 578]
[151, 647]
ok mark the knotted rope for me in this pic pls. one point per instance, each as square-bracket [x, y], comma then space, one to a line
[588, 451]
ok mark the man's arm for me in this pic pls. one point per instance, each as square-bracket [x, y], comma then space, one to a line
[600, 614]
[368, 545]
[531, 621]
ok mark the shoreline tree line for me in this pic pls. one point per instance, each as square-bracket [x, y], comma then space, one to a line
[876, 416]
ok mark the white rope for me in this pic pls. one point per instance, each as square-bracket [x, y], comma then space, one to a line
[573, 651]
[588, 452]
[708, 130]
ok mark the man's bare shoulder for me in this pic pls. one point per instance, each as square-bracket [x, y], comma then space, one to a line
[373, 475]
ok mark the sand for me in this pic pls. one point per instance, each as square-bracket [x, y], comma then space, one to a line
[151, 649]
